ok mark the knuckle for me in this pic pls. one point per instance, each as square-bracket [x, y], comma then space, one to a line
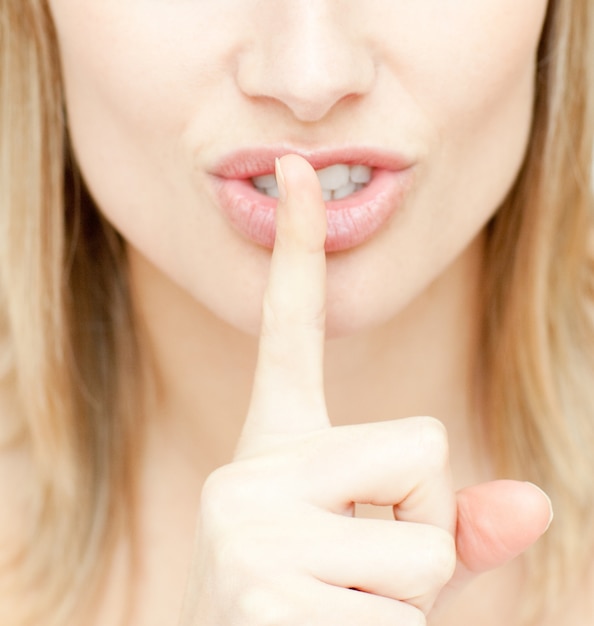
[244, 492]
[216, 488]
[223, 492]
[434, 564]
[441, 556]
[433, 445]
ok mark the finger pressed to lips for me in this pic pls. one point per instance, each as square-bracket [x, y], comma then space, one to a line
[288, 391]
[366, 463]
[402, 463]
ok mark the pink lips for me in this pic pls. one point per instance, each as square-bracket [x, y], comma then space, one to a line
[351, 221]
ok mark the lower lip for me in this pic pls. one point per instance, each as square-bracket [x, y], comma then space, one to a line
[351, 221]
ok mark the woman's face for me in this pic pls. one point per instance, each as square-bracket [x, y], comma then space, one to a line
[175, 105]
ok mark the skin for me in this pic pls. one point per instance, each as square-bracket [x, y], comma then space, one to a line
[149, 120]
[387, 330]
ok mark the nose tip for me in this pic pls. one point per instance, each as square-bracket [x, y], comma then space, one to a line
[309, 96]
[309, 68]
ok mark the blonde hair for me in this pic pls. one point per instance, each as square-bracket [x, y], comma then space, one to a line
[67, 323]
[539, 333]
[67, 316]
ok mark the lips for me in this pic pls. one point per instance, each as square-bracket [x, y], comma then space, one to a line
[351, 221]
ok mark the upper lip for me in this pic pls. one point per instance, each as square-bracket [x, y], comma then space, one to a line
[257, 161]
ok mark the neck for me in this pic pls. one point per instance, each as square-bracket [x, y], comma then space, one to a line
[421, 362]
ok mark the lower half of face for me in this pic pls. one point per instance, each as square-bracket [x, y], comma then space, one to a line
[170, 102]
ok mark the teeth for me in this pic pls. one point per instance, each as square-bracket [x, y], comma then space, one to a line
[334, 177]
[265, 182]
[337, 181]
[360, 174]
[345, 190]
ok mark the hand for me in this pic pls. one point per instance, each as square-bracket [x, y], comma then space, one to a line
[277, 543]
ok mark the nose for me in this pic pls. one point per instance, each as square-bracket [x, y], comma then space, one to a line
[305, 56]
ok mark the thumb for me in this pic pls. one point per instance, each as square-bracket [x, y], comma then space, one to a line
[497, 521]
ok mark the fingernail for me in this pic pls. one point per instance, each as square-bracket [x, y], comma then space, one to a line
[280, 181]
[552, 514]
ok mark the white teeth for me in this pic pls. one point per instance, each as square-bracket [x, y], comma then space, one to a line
[337, 181]
[344, 191]
[360, 174]
[334, 177]
[265, 182]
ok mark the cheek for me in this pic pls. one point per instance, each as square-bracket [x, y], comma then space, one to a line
[475, 96]
[131, 74]
[465, 49]
[477, 89]
[134, 84]
[477, 84]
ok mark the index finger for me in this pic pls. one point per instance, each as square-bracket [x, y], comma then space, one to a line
[288, 391]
